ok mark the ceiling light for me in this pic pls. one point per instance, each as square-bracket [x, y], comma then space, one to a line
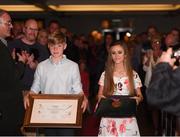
[20, 8]
[122, 7]
[116, 8]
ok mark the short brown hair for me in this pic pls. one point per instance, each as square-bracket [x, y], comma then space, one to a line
[57, 37]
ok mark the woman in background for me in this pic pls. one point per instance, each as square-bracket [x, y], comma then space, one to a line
[150, 59]
[43, 41]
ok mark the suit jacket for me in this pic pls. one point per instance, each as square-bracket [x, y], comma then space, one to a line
[164, 88]
[11, 99]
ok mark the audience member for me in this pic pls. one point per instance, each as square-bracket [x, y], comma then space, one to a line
[29, 44]
[42, 39]
[163, 90]
[53, 26]
[150, 60]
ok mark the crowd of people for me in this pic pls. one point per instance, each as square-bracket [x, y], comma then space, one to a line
[53, 60]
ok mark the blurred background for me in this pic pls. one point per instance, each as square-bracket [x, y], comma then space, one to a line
[83, 16]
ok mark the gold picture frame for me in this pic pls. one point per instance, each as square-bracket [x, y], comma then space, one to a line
[54, 111]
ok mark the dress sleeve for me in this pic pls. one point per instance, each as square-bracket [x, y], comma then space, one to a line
[101, 80]
[137, 80]
[164, 88]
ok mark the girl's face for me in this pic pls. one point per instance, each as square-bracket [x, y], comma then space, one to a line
[56, 50]
[117, 53]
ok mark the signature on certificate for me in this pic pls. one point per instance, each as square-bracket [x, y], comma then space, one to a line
[62, 111]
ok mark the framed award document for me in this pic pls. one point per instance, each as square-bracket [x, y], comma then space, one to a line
[56, 111]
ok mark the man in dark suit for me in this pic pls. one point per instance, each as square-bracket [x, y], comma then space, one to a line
[11, 100]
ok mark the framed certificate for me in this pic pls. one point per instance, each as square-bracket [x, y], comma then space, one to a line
[56, 111]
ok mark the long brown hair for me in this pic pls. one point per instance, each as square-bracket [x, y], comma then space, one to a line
[109, 70]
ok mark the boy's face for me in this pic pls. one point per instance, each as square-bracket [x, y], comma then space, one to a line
[56, 50]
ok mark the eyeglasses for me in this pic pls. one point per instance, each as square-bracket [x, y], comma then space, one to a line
[32, 29]
[8, 23]
[156, 42]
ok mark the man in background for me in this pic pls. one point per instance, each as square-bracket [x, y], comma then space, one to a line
[35, 51]
[163, 91]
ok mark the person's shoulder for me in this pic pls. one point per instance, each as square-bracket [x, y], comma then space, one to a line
[3, 46]
[44, 62]
[38, 45]
[103, 74]
[70, 62]
[163, 66]
[14, 42]
[135, 73]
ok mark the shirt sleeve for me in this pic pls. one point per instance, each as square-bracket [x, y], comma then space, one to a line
[76, 80]
[101, 80]
[36, 82]
[144, 62]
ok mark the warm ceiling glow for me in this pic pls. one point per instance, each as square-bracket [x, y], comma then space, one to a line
[20, 8]
[123, 7]
[116, 8]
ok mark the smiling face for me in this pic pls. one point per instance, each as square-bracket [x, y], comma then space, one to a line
[56, 50]
[117, 54]
[57, 44]
[31, 30]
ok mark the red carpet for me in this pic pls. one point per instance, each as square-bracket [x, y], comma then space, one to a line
[90, 125]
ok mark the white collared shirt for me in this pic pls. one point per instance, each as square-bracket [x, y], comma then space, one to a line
[57, 78]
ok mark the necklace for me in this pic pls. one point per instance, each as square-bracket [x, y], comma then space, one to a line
[119, 73]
